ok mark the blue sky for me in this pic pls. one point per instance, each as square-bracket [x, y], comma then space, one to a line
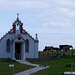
[53, 20]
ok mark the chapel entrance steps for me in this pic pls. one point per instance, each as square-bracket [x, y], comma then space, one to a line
[18, 56]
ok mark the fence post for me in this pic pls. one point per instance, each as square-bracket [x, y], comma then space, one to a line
[71, 69]
[63, 51]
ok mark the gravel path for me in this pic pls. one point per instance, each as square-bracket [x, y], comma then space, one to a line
[30, 71]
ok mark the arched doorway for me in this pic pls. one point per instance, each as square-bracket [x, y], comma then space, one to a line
[18, 51]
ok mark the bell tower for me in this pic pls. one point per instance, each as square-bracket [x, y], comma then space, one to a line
[17, 25]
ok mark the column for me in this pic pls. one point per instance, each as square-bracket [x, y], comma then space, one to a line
[23, 51]
[13, 52]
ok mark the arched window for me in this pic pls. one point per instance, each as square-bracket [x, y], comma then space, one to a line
[17, 27]
[8, 46]
[27, 45]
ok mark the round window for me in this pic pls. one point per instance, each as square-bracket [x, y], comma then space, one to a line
[19, 38]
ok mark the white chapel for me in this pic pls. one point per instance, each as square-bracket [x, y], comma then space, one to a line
[18, 44]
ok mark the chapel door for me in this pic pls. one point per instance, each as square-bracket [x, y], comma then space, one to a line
[17, 51]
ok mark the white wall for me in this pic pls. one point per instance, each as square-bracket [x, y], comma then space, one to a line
[33, 47]
[33, 53]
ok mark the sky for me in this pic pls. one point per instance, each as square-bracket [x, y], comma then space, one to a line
[52, 20]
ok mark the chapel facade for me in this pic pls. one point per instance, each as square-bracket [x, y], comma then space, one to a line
[18, 44]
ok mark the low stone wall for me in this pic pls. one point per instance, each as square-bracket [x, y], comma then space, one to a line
[46, 57]
[5, 59]
[32, 59]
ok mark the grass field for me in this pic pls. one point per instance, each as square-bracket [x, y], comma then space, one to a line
[6, 70]
[57, 66]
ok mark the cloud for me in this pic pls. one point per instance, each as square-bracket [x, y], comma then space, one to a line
[47, 12]
[44, 24]
[69, 3]
[63, 24]
[34, 4]
[55, 17]
[23, 4]
[66, 11]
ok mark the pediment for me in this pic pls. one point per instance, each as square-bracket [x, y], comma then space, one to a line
[19, 38]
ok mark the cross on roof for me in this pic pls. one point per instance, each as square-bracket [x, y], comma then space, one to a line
[17, 14]
[36, 35]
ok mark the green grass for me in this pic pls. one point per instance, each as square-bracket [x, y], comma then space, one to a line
[6, 70]
[57, 67]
